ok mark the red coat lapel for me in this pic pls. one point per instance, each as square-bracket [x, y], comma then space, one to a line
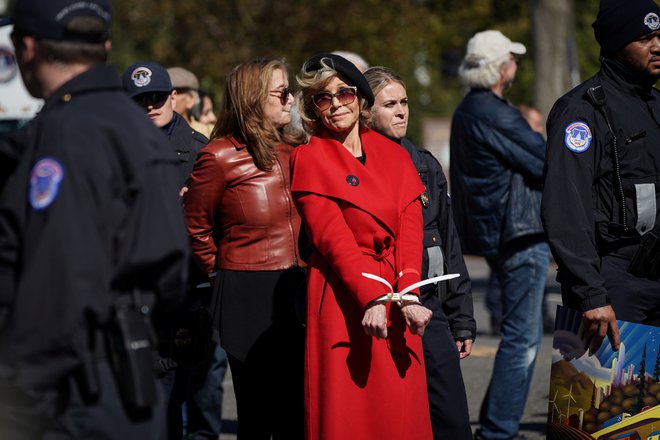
[382, 187]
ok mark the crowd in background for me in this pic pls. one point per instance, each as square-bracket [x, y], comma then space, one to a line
[149, 238]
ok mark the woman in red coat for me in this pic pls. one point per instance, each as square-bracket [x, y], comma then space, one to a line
[357, 193]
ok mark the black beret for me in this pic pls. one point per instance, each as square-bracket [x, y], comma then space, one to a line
[621, 21]
[344, 68]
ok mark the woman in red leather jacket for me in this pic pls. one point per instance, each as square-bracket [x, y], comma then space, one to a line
[244, 228]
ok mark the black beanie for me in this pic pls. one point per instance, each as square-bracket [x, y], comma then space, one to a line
[345, 68]
[621, 21]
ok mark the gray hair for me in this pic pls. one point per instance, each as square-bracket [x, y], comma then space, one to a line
[477, 72]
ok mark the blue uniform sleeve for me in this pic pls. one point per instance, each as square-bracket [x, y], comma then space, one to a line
[568, 206]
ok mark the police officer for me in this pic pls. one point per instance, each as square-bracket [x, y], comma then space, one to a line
[449, 336]
[92, 240]
[602, 177]
[191, 367]
[149, 84]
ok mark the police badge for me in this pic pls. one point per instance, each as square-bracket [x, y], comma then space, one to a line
[424, 198]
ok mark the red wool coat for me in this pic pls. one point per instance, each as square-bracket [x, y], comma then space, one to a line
[360, 218]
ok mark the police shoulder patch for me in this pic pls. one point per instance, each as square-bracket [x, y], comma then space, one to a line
[577, 137]
[45, 179]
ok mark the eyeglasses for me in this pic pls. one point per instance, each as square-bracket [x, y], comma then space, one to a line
[283, 94]
[155, 99]
[345, 96]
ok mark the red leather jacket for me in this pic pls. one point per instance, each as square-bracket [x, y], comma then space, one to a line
[240, 217]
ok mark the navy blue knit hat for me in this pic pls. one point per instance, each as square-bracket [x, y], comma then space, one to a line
[621, 21]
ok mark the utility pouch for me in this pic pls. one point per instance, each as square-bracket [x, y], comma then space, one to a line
[645, 263]
[131, 344]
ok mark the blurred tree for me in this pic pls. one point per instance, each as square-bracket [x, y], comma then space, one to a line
[553, 22]
[422, 40]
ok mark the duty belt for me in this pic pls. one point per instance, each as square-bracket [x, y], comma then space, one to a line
[626, 252]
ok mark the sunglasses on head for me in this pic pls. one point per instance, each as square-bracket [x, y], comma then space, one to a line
[283, 94]
[156, 99]
[345, 96]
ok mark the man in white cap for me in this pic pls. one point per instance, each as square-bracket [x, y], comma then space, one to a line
[496, 171]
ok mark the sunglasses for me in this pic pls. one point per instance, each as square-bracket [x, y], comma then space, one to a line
[156, 99]
[283, 94]
[345, 96]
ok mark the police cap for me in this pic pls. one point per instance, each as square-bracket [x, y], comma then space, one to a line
[49, 18]
[146, 77]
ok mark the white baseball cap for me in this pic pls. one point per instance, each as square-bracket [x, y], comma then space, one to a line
[492, 46]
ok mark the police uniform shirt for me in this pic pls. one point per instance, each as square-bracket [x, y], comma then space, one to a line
[581, 208]
[91, 211]
[442, 249]
[186, 143]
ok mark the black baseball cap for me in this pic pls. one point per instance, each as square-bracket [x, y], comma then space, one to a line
[146, 77]
[49, 18]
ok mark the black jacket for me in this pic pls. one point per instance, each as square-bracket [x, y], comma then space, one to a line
[91, 212]
[186, 143]
[439, 231]
[581, 209]
[496, 171]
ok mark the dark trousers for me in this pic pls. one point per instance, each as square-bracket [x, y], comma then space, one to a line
[633, 299]
[64, 413]
[265, 344]
[450, 418]
[204, 410]
[269, 390]
[201, 390]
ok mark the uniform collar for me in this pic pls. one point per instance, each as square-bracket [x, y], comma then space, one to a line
[168, 128]
[625, 80]
[98, 77]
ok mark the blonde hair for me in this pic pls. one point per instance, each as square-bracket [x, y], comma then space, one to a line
[313, 82]
[380, 77]
[241, 112]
